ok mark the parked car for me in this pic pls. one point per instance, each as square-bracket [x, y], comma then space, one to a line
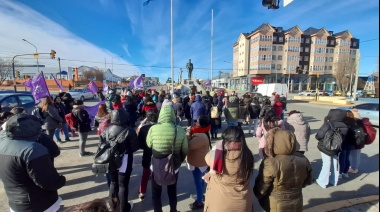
[329, 93]
[81, 94]
[11, 100]
[369, 110]
[310, 93]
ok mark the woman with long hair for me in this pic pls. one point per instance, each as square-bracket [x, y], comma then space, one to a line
[348, 144]
[61, 111]
[282, 174]
[51, 118]
[231, 168]
[83, 126]
[100, 116]
[268, 122]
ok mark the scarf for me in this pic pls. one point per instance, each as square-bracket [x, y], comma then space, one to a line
[216, 158]
[200, 130]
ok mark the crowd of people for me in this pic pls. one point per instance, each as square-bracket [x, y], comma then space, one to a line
[221, 172]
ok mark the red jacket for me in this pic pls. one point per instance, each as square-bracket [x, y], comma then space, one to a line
[278, 108]
[118, 106]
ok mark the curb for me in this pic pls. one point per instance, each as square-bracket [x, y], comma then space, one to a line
[342, 204]
[329, 103]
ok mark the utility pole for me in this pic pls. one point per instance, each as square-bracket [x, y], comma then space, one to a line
[60, 72]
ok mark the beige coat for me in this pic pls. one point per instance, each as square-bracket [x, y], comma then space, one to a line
[198, 148]
[223, 193]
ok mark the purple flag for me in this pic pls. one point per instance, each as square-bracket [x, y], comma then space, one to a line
[138, 83]
[38, 87]
[93, 110]
[28, 83]
[92, 87]
[131, 83]
[207, 83]
[105, 87]
[59, 84]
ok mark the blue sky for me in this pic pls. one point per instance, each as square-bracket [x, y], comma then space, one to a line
[92, 32]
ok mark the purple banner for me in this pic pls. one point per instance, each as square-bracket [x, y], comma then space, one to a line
[131, 83]
[58, 84]
[92, 87]
[38, 87]
[93, 110]
[138, 83]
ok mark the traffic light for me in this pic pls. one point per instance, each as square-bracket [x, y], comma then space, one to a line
[17, 74]
[52, 54]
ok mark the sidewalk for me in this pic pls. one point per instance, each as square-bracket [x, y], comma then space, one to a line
[368, 203]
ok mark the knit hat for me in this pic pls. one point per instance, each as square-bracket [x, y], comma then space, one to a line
[356, 113]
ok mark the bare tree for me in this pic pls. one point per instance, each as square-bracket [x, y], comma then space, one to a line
[344, 69]
[6, 69]
[95, 74]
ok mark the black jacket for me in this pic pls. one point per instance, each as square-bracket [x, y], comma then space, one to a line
[83, 119]
[120, 132]
[61, 111]
[29, 177]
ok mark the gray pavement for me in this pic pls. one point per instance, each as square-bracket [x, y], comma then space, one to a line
[83, 186]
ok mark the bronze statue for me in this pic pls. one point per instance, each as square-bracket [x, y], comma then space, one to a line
[189, 67]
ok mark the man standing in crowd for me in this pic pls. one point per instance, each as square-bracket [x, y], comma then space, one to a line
[30, 179]
[197, 109]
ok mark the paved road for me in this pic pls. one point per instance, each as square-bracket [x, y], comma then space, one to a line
[83, 186]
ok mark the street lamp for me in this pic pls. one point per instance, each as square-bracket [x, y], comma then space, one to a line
[38, 66]
[112, 69]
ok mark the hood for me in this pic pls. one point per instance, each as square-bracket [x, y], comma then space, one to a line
[119, 117]
[280, 142]
[296, 118]
[166, 115]
[233, 99]
[23, 126]
[336, 115]
[198, 98]
[277, 103]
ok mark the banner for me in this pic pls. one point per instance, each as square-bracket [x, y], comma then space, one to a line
[257, 80]
[92, 87]
[38, 87]
[131, 83]
[138, 83]
[93, 110]
[58, 84]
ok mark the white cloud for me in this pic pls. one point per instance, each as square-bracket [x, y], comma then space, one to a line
[20, 22]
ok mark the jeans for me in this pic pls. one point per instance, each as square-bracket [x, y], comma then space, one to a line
[156, 195]
[65, 129]
[199, 184]
[355, 158]
[325, 177]
[214, 130]
[120, 185]
[344, 161]
[232, 124]
[254, 123]
[82, 141]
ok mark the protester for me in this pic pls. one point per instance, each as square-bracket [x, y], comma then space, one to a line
[231, 168]
[296, 124]
[216, 123]
[126, 139]
[266, 107]
[187, 106]
[225, 100]
[131, 108]
[109, 99]
[83, 126]
[199, 143]
[116, 102]
[278, 107]
[268, 122]
[327, 176]
[100, 116]
[232, 111]
[100, 95]
[142, 130]
[273, 99]
[160, 99]
[254, 112]
[197, 109]
[26, 169]
[64, 127]
[179, 110]
[51, 118]
[4, 116]
[68, 102]
[355, 153]
[160, 138]
[282, 174]
[168, 101]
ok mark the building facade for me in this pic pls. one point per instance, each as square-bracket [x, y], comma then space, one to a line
[305, 59]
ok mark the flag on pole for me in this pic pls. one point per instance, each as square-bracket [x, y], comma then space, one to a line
[92, 87]
[38, 87]
[92, 110]
[58, 84]
[105, 87]
[138, 82]
[131, 83]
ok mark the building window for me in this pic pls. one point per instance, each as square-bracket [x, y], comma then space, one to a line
[273, 66]
[281, 39]
[275, 39]
[331, 50]
[307, 49]
[302, 49]
[303, 40]
[330, 59]
[332, 42]
[273, 57]
[278, 66]
[279, 48]
[354, 44]
[307, 40]
[306, 58]
[330, 68]
[279, 57]
[273, 48]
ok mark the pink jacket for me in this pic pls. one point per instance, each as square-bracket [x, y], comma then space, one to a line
[261, 132]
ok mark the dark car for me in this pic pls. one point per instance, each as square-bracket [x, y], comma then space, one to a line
[11, 100]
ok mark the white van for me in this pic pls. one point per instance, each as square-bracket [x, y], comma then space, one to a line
[268, 89]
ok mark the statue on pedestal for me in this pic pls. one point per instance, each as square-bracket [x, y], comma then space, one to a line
[189, 67]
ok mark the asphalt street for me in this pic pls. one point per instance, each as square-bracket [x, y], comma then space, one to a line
[82, 185]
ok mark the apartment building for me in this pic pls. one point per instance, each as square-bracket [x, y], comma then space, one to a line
[302, 58]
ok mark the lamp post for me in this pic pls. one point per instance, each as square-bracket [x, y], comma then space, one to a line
[36, 55]
[112, 69]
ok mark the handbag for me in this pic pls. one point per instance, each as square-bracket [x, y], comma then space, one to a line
[163, 169]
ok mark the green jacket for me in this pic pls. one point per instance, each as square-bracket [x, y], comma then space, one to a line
[160, 137]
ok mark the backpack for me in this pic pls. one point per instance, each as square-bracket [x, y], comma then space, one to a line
[331, 144]
[108, 158]
[214, 112]
[71, 120]
[163, 169]
[369, 129]
[360, 136]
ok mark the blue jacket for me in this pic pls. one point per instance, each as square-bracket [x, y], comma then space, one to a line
[197, 108]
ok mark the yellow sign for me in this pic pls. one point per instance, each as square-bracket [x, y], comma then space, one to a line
[36, 55]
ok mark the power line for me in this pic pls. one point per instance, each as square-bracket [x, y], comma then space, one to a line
[369, 40]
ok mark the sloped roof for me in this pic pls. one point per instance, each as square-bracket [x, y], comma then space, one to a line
[310, 31]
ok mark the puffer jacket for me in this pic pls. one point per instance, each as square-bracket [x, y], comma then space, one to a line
[261, 132]
[336, 117]
[197, 108]
[160, 138]
[83, 118]
[301, 129]
[278, 186]
[120, 132]
[52, 118]
[26, 169]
